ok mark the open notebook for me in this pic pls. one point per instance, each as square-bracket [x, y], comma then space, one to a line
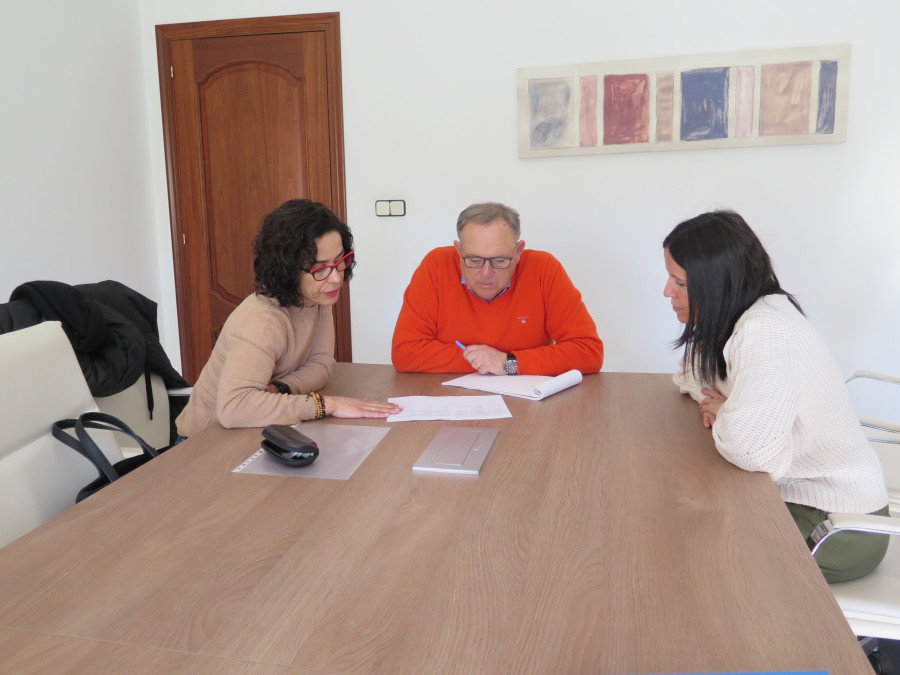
[535, 387]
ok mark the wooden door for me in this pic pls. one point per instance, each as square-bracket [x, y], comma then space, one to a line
[252, 118]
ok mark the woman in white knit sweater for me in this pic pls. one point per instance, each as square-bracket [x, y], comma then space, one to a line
[767, 386]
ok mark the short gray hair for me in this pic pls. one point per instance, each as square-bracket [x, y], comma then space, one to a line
[487, 212]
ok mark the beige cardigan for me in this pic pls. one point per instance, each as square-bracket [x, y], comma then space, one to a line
[261, 342]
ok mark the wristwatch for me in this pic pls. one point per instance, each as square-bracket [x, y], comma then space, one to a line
[512, 365]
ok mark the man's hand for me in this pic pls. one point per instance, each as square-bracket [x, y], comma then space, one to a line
[486, 360]
[709, 407]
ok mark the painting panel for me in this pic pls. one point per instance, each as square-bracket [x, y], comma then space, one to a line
[704, 104]
[626, 108]
[665, 105]
[552, 103]
[743, 104]
[784, 96]
[828, 71]
[588, 116]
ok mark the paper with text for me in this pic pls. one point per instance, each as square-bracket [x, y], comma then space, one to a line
[449, 408]
[535, 387]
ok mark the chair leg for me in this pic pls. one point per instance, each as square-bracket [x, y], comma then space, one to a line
[880, 662]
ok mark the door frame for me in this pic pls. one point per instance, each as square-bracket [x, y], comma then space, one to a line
[166, 35]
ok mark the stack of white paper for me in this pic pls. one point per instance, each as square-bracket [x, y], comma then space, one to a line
[535, 387]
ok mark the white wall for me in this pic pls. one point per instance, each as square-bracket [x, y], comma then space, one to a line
[74, 157]
[429, 113]
[430, 117]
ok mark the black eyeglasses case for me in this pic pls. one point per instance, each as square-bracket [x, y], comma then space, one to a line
[289, 446]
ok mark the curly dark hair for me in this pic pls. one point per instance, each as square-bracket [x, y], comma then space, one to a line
[286, 246]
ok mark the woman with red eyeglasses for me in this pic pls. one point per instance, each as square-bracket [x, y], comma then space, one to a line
[277, 347]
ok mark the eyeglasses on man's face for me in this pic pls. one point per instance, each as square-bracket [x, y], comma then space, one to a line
[474, 262]
[323, 272]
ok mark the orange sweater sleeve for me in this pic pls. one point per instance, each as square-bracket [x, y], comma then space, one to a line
[416, 346]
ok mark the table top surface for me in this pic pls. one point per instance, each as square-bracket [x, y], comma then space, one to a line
[604, 535]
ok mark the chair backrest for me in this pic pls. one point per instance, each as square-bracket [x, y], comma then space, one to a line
[876, 396]
[130, 406]
[40, 383]
[889, 452]
[870, 604]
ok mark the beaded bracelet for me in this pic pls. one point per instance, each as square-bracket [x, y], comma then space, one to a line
[320, 404]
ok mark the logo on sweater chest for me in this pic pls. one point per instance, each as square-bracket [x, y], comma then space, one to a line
[522, 319]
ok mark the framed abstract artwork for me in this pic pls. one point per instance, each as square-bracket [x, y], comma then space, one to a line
[736, 99]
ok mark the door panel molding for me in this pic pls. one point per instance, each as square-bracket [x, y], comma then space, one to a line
[186, 166]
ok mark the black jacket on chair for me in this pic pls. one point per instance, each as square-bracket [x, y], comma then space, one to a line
[17, 315]
[140, 311]
[112, 329]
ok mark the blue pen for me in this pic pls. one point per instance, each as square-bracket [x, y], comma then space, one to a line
[460, 345]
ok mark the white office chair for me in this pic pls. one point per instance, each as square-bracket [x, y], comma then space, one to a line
[40, 383]
[130, 406]
[871, 605]
[884, 435]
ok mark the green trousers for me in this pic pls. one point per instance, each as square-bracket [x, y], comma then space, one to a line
[846, 555]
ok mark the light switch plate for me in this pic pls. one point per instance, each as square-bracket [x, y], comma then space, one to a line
[390, 207]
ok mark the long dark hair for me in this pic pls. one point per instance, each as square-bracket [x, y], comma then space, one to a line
[286, 246]
[727, 271]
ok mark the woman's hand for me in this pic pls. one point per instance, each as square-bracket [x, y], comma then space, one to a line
[341, 406]
[709, 407]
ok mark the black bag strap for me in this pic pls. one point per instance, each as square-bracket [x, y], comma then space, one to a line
[94, 455]
[148, 387]
[99, 420]
[86, 446]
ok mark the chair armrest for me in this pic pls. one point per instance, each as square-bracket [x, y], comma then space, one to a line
[852, 522]
[186, 391]
[874, 422]
[865, 523]
[874, 375]
[880, 425]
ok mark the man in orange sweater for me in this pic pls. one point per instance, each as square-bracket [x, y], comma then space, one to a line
[488, 305]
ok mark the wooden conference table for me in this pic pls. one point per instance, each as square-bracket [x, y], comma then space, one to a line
[604, 535]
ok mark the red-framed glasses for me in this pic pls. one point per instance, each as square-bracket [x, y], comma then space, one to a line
[323, 272]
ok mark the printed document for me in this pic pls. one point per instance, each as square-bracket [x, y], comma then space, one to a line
[535, 387]
[449, 408]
